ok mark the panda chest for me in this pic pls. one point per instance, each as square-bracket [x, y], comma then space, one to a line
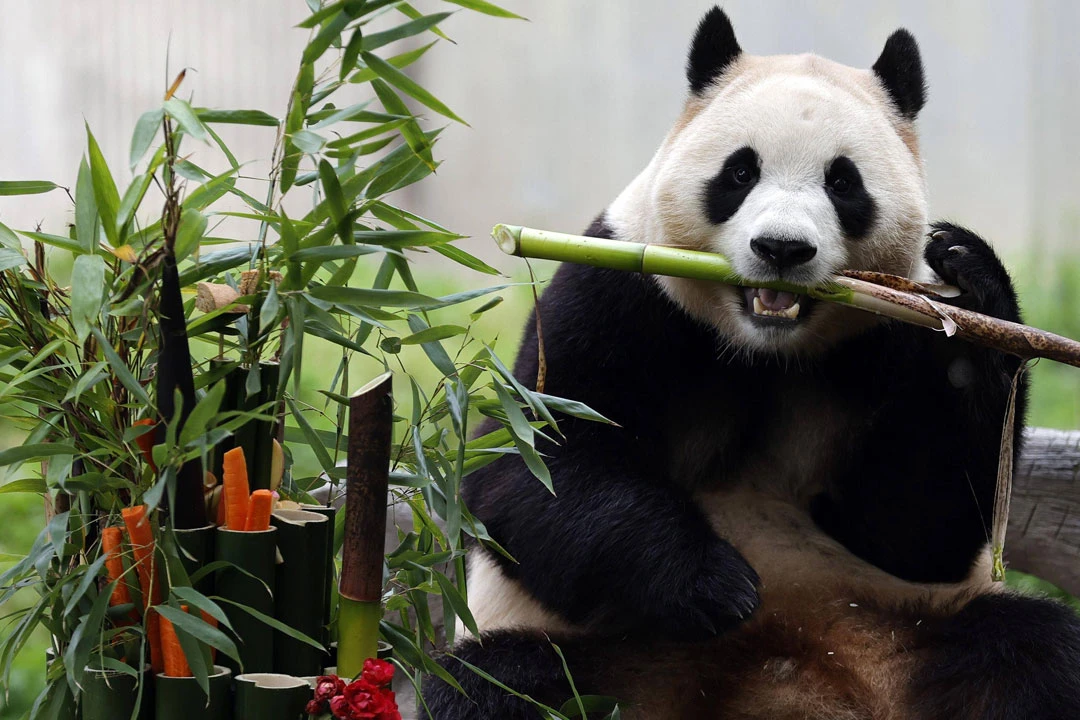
[785, 439]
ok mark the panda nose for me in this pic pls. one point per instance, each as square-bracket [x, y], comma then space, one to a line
[781, 253]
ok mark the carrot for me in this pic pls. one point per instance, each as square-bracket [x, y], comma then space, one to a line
[114, 566]
[262, 502]
[235, 481]
[210, 620]
[146, 442]
[142, 545]
[176, 664]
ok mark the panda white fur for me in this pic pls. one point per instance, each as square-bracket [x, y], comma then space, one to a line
[790, 519]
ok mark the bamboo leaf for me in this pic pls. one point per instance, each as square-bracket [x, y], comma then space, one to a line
[123, 374]
[308, 142]
[457, 602]
[463, 258]
[190, 233]
[147, 126]
[26, 485]
[26, 187]
[11, 259]
[408, 86]
[105, 193]
[185, 117]
[87, 293]
[199, 629]
[399, 61]
[276, 624]
[193, 597]
[86, 211]
[237, 117]
[133, 197]
[59, 241]
[438, 332]
[483, 6]
[330, 32]
[352, 52]
[375, 41]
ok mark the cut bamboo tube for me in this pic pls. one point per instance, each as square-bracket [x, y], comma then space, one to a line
[853, 290]
[326, 591]
[270, 696]
[199, 544]
[370, 428]
[255, 553]
[183, 699]
[301, 576]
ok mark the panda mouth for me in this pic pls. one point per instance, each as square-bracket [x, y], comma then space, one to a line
[774, 307]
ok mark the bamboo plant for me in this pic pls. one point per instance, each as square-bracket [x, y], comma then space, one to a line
[133, 345]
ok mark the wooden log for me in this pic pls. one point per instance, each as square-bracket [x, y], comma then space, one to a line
[1043, 538]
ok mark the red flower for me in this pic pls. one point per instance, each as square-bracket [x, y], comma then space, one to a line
[362, 701]
[377, 672]
[327, 686]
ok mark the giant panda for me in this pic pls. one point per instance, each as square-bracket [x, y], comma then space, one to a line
[790, 517]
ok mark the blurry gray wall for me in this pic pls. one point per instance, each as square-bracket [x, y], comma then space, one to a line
[564, 109]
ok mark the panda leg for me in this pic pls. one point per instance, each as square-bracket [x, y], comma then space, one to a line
[523, 661]
[1003, 657]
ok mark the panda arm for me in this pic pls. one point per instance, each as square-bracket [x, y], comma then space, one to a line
[617, 544]
[917, 499]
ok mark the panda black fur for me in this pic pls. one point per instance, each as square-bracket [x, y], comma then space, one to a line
[790, 519]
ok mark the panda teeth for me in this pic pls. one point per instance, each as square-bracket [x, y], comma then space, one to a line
[790, 313]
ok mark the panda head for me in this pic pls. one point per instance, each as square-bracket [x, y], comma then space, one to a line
[793, 167]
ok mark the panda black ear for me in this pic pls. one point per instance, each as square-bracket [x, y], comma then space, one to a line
[900, 69]
[713, 49]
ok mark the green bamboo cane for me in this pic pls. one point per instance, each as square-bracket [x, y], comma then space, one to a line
[887, 295]
[371, 418]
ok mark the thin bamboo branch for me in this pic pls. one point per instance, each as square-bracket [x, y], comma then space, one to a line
[887, 295]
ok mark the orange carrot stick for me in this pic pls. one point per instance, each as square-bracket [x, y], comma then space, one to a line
[210, 620]
[142, 545]
[114, 565]
[237, 492]
[176, 664]
[262, 501]
[146, 442]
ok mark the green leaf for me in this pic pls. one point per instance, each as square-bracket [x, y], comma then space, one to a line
[26, 187]
[438, 332]
[399, 61]
[123, 373]
[465, 259]
[86, 211]
[352, 52]
[457, 602]
[147, 126]
[185, 117]
[408, 86]
[8, 238]
[375, 41]
[199, 629]
[198, 422]
[275, 624]
[335, 200]
[190, 233]
[572, 407]
[26, 485]
[404, 238]
[330, 32]
[11, 259]
[237, 117]
[105, 193]
[193, 597]
[269, 311]
[346, 296]
[487, 8]
[311, 437]
[59, 241]
[308, 141]
[415, 138]
[87, 293]
[133, 197]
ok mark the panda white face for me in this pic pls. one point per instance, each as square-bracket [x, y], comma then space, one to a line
[795, 168]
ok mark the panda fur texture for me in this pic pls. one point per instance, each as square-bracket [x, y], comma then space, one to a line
[790, 519]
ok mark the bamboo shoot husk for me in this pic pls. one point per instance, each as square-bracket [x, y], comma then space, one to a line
[360, 609]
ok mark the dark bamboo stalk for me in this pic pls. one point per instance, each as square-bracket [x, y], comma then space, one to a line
[370, 430]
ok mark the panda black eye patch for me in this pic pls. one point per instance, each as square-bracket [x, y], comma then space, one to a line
[725, 192]
[855, 208]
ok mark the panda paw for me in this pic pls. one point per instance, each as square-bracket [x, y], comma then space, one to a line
[722, 593]
[962, 258]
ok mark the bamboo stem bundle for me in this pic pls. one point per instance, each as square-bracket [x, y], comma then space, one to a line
[887, 295]
[370, 426]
